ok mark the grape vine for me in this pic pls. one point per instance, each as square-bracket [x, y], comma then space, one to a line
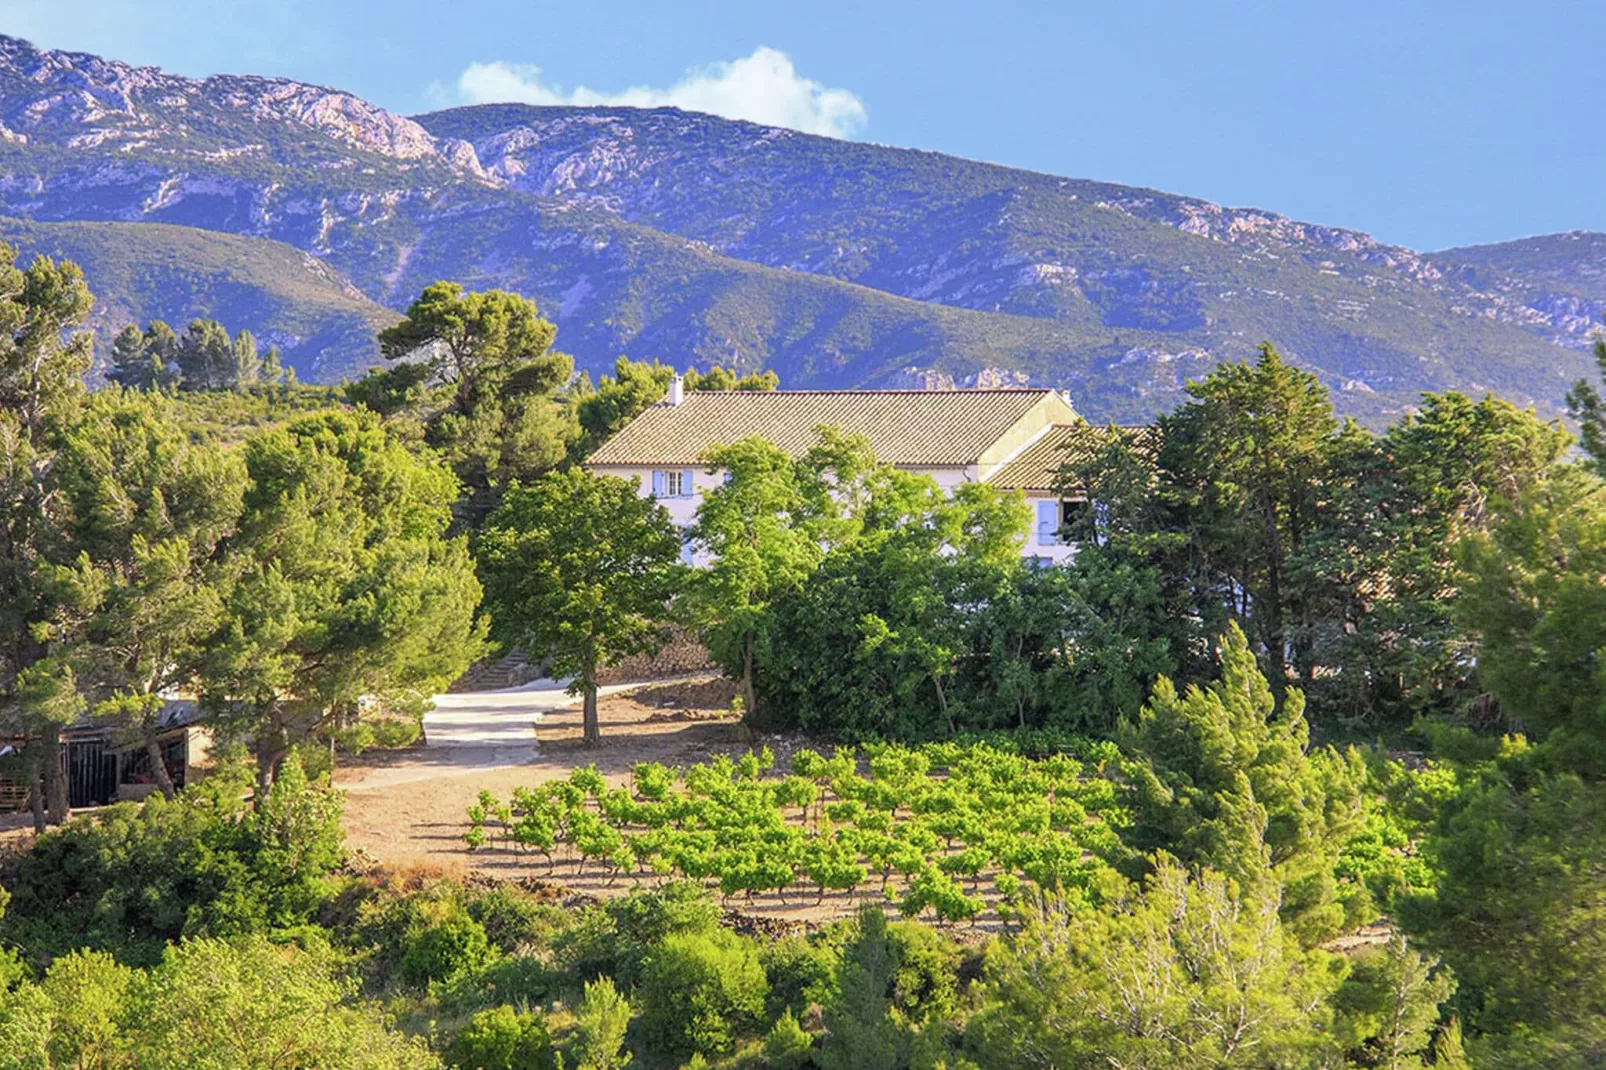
[956, 829]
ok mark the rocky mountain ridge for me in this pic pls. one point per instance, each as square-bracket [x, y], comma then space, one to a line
[660, 233]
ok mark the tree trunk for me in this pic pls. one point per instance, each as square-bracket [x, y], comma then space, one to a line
[55, 779]
[36, 778]
[164, 783]
[271, 747]
[749, 698]
[588, 684]
[942, 704]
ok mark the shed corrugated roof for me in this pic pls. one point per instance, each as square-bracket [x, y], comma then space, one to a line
[904, 427]
[1037, 466]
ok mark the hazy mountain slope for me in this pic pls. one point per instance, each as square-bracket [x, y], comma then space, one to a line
[692, 238]
[286, 297]
[1559, 278]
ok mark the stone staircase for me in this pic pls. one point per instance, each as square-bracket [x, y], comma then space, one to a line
[510, 670]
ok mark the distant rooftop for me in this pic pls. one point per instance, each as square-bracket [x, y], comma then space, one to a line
[1036, 468]
[912, 428]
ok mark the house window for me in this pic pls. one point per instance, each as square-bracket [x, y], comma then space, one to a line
[673, 484]
[688, 548]
[1048, 522]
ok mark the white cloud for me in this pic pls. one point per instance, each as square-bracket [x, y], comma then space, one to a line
[763, 88]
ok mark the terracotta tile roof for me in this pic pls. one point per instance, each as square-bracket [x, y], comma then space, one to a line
[905, 427]
[1036, 466]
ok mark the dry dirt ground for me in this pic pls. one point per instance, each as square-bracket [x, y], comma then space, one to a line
[407, 811]
[409, 807]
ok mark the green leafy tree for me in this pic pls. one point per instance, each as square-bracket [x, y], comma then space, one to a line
[718, 378]
[1534, 597]
[859, 1031]
[247, 365]
[502, 420]
[636, 385]
[477, 342]
[1384, 558]
[618, 399]
[600, 1023]
[700, 992]
[1221, 777]
[206, 357]
[503, 1038]
[1191, 972]
[580, 569]
[1519, 845]
[1247, 460]
[145, 512]
[747, 527]
[341, 585]
[1587, 408]
[1389, 1006]
[43, 357]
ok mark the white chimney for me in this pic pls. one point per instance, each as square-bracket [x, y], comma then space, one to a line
[677, 389]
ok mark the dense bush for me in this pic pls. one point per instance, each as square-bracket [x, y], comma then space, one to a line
[134, 877]
[700, 991]
[448, 946]
[503, 1039]
[207, 1005]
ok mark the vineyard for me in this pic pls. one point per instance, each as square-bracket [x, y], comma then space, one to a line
[959, 831]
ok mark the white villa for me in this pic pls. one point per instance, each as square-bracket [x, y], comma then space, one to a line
[1013, 439]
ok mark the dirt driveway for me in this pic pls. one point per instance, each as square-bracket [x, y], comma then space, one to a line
[408, 808]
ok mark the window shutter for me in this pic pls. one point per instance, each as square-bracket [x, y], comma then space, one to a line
[657, 484]
[685, 483]
[1048, 522]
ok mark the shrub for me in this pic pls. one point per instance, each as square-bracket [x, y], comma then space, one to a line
[453, 945]
[599, 1028]
[503, 1039]
[136, 876]
[701, 991]
[788, 1044]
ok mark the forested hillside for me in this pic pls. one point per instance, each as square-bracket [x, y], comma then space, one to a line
[659, 234]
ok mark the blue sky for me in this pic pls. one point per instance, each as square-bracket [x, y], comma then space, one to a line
[1429, 124]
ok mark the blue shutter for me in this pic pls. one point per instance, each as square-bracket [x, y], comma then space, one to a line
[685, 484]
[1048, 522]
[657, 484]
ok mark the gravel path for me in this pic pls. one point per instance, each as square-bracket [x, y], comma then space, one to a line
[479, 730]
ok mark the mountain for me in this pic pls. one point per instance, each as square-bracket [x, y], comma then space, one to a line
[660, 233]
[144, 271]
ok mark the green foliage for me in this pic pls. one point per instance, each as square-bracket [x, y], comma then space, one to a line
[341, 583]
[1389, 1006]
[448, 946]
[701, 991]
[578, 568]
[1585, 405]
[1190, 972]
[500, 421]
[787, 1045]
[600, 1022]
[144, 515]
[1221, 778]
[135, 877]
[758, 552]
[503, 1038]
[1519, 848]
[1535, 598]
[388, 391]
[860, 1032]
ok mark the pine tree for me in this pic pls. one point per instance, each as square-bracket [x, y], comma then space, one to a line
[860, 1034]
